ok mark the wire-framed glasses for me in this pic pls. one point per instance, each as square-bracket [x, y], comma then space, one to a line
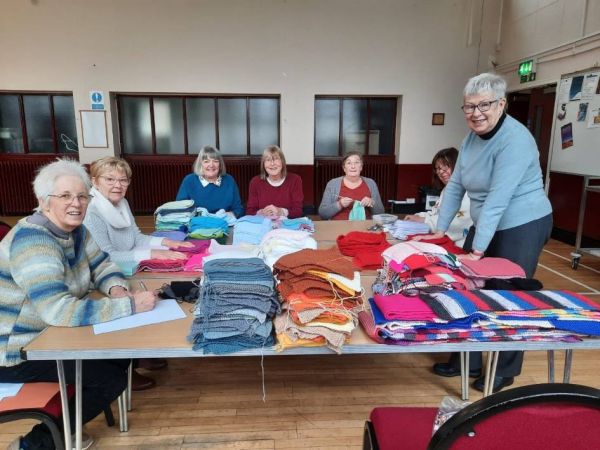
[68, 198]
[112, 181]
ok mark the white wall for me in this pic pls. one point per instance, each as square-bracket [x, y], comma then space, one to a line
[421, 50]
[563, 36]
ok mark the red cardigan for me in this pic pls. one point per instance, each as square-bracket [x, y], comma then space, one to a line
[289, 195]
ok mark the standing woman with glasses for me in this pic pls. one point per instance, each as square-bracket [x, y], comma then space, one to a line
[443, 165]
[275, 192]
[341, 193]
[48, 263]
[111, 222]
[499, 168]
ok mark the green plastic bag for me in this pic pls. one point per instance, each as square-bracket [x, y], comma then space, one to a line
[358, 212]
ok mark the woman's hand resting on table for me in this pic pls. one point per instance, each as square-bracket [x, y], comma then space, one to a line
[436, 235]
[167, 254]
[174, 245]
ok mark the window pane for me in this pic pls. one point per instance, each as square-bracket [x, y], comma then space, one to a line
[327, 127]
[263, 124]
[232, 126]
[37, 121]
[135, 122]
[11, 138]
[200, 123]
[383, 123]
[168, 125]
[355, 124]
[64, 119]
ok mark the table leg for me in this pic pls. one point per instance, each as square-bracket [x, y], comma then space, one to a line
[464, 375]
[568, 362]
[490, 373]
[64, 399]
[550, 366]
[78, 411]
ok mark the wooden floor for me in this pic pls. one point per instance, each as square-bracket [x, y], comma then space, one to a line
[318, 402]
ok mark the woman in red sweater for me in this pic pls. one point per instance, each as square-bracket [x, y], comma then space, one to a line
[275, 192]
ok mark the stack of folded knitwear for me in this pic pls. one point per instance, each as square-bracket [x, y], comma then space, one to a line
[206, 227]
[423, 295]
[402, 229]
[174, 215]
[279, 242]
[235, 308]
[193, 262]
[321, 296]
[250, 229]
[483, 316]
[300, 223]
[365, 247]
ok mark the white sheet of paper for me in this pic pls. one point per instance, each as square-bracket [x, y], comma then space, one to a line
[9, 389]
[164, 311]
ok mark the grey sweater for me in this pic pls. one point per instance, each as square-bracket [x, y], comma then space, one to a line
[122, 244]
[329, 204]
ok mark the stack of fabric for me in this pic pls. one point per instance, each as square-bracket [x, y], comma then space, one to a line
[484, 316]
[321, 295]
[251, 229]
[365, 247]
[401, 229]
[236, 306]
[280, 242]
[300, 223]
[220, 214]
[204, 227]
[174, 215]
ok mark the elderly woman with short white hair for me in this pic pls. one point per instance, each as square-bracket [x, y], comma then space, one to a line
[498, 167]
[48, 262]
[210, 186]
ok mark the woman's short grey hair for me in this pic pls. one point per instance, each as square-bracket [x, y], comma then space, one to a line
[486, 82]
[45, 180]
[208, 152]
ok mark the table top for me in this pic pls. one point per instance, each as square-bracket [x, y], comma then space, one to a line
[169, 340]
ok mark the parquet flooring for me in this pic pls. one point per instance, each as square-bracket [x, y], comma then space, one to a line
[317, 402]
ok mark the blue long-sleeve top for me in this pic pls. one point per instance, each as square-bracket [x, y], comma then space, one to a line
[502, 177]
[212, 197]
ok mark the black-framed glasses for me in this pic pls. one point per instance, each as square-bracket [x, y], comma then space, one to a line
[68, 198]
[483, 106]
[112, 181]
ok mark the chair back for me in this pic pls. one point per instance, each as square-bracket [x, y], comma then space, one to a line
[549, 416]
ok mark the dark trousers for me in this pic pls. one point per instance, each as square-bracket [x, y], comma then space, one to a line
[102, 382]
[523, 246]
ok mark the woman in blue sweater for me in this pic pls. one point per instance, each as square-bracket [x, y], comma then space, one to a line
[209, 186]
[499, 169]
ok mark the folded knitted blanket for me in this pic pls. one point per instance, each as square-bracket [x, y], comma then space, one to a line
[357, 242]
[328, 260]
[491, 267]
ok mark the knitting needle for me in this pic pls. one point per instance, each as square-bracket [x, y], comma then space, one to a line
[143, 286]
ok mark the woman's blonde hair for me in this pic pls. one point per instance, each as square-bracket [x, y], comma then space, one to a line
[109, 163]
[271, 151]
[208, 152]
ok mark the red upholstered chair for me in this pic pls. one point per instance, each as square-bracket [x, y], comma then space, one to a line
[4, 229]
[38, 401]
[550, 416]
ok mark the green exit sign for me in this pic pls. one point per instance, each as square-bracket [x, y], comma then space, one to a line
[526, 67]
[527, 71]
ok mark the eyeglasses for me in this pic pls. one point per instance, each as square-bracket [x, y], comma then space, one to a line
[273, 159]
[440, 169]
[112, 181]
[67, 198]
[484, 106]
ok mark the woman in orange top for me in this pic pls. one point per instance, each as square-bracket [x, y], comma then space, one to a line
[341, 193]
